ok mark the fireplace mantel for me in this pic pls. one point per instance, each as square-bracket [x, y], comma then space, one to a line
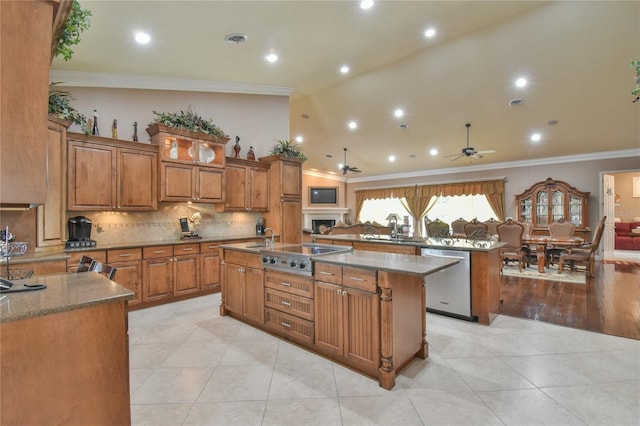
[324, 213]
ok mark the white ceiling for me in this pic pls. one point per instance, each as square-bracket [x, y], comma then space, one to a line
[575, 55]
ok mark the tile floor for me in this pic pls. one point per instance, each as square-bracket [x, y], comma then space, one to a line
[189, 366]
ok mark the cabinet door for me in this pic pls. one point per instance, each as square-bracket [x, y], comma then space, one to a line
[91, 177]
[258, 195]
[291, 179]
[329, 318]
[235, 188]
[254, 294]
[209, 185]
[186, 274]
[362, 320]
[157, 279]
[210, 271]
[234, 283]
[129, 275]
[176, 182]
[137, 180]
[291, 231]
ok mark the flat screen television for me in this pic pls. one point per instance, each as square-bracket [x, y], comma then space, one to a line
[323, 195]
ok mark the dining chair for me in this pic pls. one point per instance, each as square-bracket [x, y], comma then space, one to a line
[475, 229]
[104, 269]
[560, 229]
[511, 232]
[438, 228]
[492, 226]
[583, 254]
[85, 264]
[457, 227]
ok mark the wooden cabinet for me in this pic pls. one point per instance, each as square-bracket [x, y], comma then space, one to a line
[285, 198]
[191, 165]
[289, 306]
[246, 185]
[24, 83]
[386, 248]
[128, 264]
[75, 256]
[551, 201]
[50, 222]
[243, 292]
[347, 317]
[209, 267]
[108, 175]
[186, 269]
[170, 271]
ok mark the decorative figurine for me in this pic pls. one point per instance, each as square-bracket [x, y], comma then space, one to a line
[251, 155]
[135, 131]
[236, 147]
[114, 129]
[94, 128]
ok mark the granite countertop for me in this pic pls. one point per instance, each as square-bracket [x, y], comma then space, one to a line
[64, 292]
[393, 262]
[448, 243]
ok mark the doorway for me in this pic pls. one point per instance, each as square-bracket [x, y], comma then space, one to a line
[619, 205]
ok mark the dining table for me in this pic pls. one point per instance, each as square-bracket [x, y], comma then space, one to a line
[542, 242]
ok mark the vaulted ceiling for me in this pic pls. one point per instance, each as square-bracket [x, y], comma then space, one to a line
[574, 55]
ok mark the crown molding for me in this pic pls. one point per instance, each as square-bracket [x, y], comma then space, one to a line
[324, 175]
[123, 81]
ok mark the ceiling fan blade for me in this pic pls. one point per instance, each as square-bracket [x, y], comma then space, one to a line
[486, 151]
[459, 156]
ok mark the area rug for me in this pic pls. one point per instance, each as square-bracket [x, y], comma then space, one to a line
[551, 274]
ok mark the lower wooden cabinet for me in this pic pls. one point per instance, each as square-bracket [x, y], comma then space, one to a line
[245, 291]
[186, 278]
[128, 264]
[158, 279]
[209, 267]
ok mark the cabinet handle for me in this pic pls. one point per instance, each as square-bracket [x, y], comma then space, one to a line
[191, 248]
[158, 252]
[285, 303]
[326, 273]
[212, 247]
[356, 279]
[344, 292]
[285, 324]
[284, 283]
[126, 255]
[338, 291]
[240, 270]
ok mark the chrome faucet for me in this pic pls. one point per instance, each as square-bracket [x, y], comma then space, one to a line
[394, 221]
[268, 243]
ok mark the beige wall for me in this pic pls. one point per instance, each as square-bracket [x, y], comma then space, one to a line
[584, 175]
[628, 207]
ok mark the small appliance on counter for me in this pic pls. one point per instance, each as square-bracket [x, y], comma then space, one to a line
[79, 228]
[186, 233]
[260, 225]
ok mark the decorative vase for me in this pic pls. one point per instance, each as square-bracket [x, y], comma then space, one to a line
[237, 148]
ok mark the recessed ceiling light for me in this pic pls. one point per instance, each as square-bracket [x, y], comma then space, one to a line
[392, 158]
[366, 4]
[521, 82]
[433, 151]
[142, 37]
[299, 139]
[398, 113]
[352, 125]
[235, 38]
[430, 32]
[344, 69]
[535, 137]
[271, 57]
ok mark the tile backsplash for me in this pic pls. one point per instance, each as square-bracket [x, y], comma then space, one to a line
[163, 224]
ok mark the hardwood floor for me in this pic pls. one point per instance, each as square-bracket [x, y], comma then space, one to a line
[608, 303]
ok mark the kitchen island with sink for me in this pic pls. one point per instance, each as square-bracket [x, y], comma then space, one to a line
[360, 308]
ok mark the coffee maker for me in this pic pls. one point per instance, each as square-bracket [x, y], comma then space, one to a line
[79, 228]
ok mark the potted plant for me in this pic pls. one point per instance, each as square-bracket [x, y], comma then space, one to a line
[186, 122]
[77, 22]
[287, 148]
[60, 108]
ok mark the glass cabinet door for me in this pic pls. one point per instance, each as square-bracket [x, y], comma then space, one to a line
[557, 206]
[542, 208]
[177, 149]
[575, 211]
[526, 210]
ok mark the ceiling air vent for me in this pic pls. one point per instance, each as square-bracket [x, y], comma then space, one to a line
[235, 38]
[516, 102]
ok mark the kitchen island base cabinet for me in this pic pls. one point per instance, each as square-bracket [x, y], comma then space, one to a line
[243, 293]
[70, 367]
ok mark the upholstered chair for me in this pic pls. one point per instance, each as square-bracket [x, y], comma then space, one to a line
[492, 226]
[511, 232]
[560, 229]
[457, 227]
[437, 228]
[475, 229]
[584, 254]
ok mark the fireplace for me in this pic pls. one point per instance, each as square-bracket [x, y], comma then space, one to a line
[316, 223]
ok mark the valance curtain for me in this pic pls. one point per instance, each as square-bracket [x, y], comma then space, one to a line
[418, 196]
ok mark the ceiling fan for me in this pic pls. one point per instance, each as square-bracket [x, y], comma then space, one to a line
[470, 151]
[345, 167]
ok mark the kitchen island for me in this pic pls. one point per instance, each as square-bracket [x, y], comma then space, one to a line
[483, 274]
[64, 352]
[360, 308]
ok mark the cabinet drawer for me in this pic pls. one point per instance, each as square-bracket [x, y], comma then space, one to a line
[289, 303]
[209, 247]
[157, 252]
[123, 255]
[362, 279]
[184, 249]
[293, 327]
[294, 284]
[328, 273]
[252, 260]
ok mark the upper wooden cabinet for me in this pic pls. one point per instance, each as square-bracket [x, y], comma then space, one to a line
[246, 185]
[191, 165]
[551, 201]
[105, 174]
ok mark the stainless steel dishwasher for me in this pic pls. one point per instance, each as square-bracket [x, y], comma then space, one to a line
[449, 290]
